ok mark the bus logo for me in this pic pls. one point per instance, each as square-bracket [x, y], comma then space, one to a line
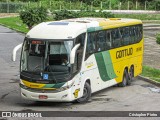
[45, 76]
[76, 93]
[124, 53]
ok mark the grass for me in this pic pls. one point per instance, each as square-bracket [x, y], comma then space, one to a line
[151, 73]
[14, 23]
[139, 16]
[158, 38]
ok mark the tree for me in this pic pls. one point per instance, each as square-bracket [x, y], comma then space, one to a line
[32, 16]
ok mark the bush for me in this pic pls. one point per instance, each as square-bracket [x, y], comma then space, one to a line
[32, 16]
[64, 14]
[158, 38]
[95, 14]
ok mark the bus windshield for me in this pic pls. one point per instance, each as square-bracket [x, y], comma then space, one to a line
[46, 56]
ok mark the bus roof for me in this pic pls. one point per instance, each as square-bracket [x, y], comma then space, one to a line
[71, 28]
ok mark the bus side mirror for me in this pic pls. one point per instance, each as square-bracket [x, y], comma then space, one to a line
[73, 53]
[15, 51]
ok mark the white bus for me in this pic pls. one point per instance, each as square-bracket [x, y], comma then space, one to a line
[68, 60]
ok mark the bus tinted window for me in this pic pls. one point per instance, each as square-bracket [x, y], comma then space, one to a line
[79, 54]
[132, 34]
[91, 43]
[126, 36]
[80, 39]
[108, 43]
[113, 38]
[101, 41]
[116, 38]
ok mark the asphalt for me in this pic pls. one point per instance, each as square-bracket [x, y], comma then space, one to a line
[141, 95]
[151, 48]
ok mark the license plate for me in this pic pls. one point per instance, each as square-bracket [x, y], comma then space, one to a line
[43, 96]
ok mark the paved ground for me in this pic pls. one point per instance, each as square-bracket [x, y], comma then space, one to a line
[140, 95]
[152, 49]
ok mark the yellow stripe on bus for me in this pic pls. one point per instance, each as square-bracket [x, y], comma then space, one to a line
[33, 85]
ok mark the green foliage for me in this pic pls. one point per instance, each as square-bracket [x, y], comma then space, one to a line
[95, 14]
[14, 23]
[156, 4]
[158, 38]
[32, 16]
[64, 14]
[152, 73]
[139, 16]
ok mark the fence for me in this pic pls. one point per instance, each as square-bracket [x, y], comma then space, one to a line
[14, 7]
[10, 7]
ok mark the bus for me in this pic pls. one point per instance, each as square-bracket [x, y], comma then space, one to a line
[70, 59]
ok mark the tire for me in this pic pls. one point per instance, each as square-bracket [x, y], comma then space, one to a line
[125, 79]
[86, 94]
[131, 72]
[130, 75]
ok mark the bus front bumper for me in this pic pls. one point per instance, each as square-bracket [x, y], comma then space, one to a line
[62, 96]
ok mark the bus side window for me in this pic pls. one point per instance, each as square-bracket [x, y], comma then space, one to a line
[101, 41]
[132, 34]
[91, 44]
[116, 38]
[79, 54]
[108, 40]
[80, 39]
[113, 36]
[126, 36]
[136, 34]
[140, 32]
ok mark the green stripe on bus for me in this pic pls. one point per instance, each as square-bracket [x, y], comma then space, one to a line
[92, 29]
[48, 85]
[58, 85]
[108, 64]
[105, 65]
[101, 67]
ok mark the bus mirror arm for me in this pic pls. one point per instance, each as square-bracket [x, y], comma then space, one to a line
[15, 51]
[73, 53]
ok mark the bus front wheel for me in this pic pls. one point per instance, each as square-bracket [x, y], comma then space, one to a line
[125, 79]
[86, 94]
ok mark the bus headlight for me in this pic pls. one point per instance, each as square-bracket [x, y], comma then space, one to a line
[65, 88]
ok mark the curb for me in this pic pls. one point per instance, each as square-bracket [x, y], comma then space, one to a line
[149, 80]
[17, 31]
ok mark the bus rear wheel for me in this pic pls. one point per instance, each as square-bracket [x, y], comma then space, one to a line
[130, 75]
[86, 94]
[125, 79]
